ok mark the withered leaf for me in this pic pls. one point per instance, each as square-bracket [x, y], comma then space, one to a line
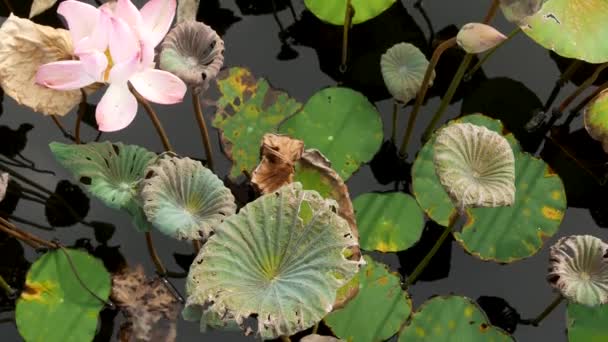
[277, 166]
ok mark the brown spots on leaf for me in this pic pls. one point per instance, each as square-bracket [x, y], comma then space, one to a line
[483, 327]
[382, 280]
[549, 172]
[33, 291]
[552, 213]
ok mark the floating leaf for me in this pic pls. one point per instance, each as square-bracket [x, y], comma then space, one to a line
[280, 259]
[516, 11]
[3, 185]
[587, 324]
[54, 306]
[279, 153]
[56, 211]
[403, 67]
[183, 199]
[579, 269]
[478, 38]
[348, 137]
[389, 222]
[377, 312]
[596, 119]
[334, 12]
[24, 46]
[475, 166]
[150, 308]
[451, 318]
[572, 28]
[39, 6]
[110, 172]
[319, 338]
[248, 109]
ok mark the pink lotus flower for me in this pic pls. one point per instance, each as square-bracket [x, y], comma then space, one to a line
[115, 45]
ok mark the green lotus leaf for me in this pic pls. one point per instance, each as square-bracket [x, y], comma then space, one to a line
[342, 124]
[280, 261]
[475, 166]
[451, 318]
[596, 119]
[571, 28]
[109, 171]
[183, 199]
[377, 312]
[403, 67]
[388, 222]
[509, 233]
[54, 306]
[587, 324]
[247, 109]
[334, 12]
[516, 11]
[579, 269]
[319, 338]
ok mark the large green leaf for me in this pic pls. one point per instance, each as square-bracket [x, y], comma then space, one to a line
[247, 109]
[451, 318]
[388, 222]
[572, 28]
[280, 259]
[596, 119]
[342, 124]
[587, 324]
[109, 171]
[54, 306]
[334, 11]
[377, 312]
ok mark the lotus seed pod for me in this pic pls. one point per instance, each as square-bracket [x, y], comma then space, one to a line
[475, 165]
[477, 38]
[403, 67]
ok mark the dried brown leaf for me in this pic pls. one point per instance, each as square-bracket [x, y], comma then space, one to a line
[278, 156]
[39, 6]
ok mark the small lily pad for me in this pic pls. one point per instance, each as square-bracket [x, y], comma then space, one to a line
[183, 199]
[334, 11]
[247, 109]
[451, 318]
[109, 171]
[54, 306]
[587, 324]
[596, 119]
[388, 222]
[279, 261]
[403, 67]
[377, 312]
[342, 124]
[571, 28]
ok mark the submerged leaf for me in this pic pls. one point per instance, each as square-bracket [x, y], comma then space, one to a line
[475, 165]
[279, 261]
[279, 153]
[150, 309]
[478, 38]
[579, 269]
[184, 199]
[403, 68]
[39, 6]
[3, 185]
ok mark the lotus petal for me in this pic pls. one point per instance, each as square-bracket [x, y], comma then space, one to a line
[579, 269]
[403, 68]
[478, 38]
[280, 259]
[475, 165]
[184, 199]
[279, 153]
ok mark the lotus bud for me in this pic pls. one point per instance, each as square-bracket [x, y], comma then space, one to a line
[477, 38]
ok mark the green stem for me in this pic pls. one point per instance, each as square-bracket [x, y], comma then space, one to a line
[203, 128]
[491, 12]
[588, 82]
[394, 128]
[315, 328]
[445, 102]
[348, 16]
[6, 287]
[424, 263]
[153, 117]
[489, 54]
[554, 304]
[160, 268]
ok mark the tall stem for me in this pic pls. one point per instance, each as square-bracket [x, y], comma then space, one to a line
[445, 102]
[491, 12]
[160, 268]
[576, 111]
[152, 114]
[427, 258]
[203, 128]
[394, 128]
[588, 82]
[82, 108]
[423, 89]
[489, 54]
[348, 16]
[8, 290]
[565, 77]
[61, 128]
[554, 304]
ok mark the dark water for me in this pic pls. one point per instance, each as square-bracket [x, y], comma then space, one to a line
[253, 41]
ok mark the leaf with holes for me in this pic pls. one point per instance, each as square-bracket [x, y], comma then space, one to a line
[451, 318]
[334, 12]
[247, 109]
[279, 261]
[109, 171]
[377, 312]
[54, 306]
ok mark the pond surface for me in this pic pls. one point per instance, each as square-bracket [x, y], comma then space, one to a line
[254, 41]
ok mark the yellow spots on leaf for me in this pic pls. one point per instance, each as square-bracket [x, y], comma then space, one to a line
[420, 332]
[386, 246]
[242, 80]
[437, 330]
[452, 324]
[34, 290]
[468, 311]
[382, 280]
[523, 186]
[556, 195]
[552, 213]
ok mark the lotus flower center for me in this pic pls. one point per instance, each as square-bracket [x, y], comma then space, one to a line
[403, 70]
[585, 276]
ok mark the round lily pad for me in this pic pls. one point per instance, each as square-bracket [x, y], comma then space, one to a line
[388, 222]
[571, 28]
[596, 119]
[403, 67]
[377, 312]
[342, 124]
[109, 171]
[184, 199]
[281, 259]
[247, 109]
[54, 306]
[334, 11]
[587, 324]
[451, 318]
